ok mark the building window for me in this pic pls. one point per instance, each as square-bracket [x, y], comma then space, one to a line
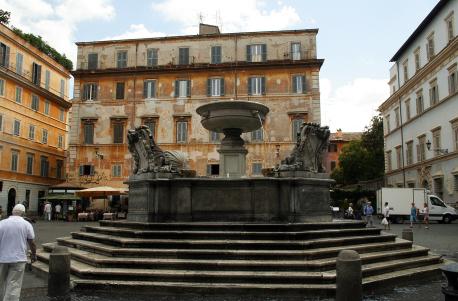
[397, 117]
[60, 141]
[183, 56]
[19, 63]
[256, 53]
[44, 136]
[417, 59]
[119, 90]
[420, 103]
[182, 131]
[36, 74]
[332, 148]
[439, 187]
[296, 51]
[298, 84]
[1, 122]
[182, 88]
[2, 87]
[88, 133]
[399, 156]
[455, 134]
[121, 59]
[59, 169]
[86, 170]
[430, 47]
[151, 124]
[436, 134]
[14, 160]
[151, 57]
[212, 169]
[18, 94]
[421, 149]
[118, 132]
[257, 136]
[17, 128]
[62, 88]
[30, 164]
[388, 124]
[407, 105]
[4, 55]
[92, 61]
[450, 24]
[215, 87]
[90, 91]
[35, 105]
[333, 165]
[44, 166]
[296, 128]
[405, 68]
[31, 132]
[47, 79]
[256, 85]
[453, 81]
[388, 161]
[433, 93]
[216, 55]
[116, 170]
[61, 114]
[409, 152]
[256, 169]
[215, 137]
[46, 110]
[149, 89]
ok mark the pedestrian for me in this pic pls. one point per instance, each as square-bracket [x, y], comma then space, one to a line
[426, 215]
[57, 210]
[48, 211]
[350, 212]
[369, 210]
[386, 217]
[15, 234]
[413, 215]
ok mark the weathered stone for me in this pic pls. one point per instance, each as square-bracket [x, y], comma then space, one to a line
[59, 274]
[349, 276]
[407, 234]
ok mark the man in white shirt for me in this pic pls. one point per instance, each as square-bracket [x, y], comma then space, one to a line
[57, 210]
[48, 209]
[15, 234]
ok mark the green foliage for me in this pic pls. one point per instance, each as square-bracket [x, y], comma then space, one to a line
[38, 42]
[363, 159]
[4, 17]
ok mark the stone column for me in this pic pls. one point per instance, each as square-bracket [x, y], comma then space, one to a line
[407, 234]
[349, 276]
[59, 274]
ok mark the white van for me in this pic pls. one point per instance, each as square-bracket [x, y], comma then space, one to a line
[400, 200]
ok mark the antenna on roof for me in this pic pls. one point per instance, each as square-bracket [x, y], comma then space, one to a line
[201, 17]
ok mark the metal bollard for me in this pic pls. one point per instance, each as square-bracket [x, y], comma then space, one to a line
[407, 234]
[59, 274]
[349, 276]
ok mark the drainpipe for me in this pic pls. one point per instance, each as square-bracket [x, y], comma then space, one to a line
[401, 128]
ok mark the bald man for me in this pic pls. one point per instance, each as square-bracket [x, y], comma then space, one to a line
[15, 234]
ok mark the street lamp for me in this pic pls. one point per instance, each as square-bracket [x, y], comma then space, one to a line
[442, 151]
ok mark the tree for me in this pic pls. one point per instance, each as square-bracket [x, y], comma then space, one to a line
[363, 159]
[4, 17]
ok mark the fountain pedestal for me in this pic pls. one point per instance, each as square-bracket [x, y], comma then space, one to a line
[232, 154]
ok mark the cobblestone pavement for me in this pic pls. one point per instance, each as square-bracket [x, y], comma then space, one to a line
[441, 239]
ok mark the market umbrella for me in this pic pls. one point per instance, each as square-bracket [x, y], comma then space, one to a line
[100, 192]
[61, 197]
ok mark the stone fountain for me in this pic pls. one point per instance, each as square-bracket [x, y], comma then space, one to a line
[163, 189]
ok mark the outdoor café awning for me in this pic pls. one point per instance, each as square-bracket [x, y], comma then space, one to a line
[100, 192]
[61, 197]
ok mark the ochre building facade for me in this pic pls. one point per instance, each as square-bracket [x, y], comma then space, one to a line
[33, 122]
[159, 82]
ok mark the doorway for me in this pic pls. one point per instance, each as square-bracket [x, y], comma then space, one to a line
[11, 201]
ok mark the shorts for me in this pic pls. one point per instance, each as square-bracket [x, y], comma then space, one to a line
[413, 218]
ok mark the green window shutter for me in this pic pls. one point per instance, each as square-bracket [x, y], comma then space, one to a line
[250, 86]
[294, 84]
[304, 85]
[263, 85]
[177, 88]
[94, 91]
[153, 88]
[119, 90]
[248, 53]
[7, 56]
[209, 87]
[264, 52]
[188, 88]
[85, 92]
[81, 170]
[222, 86]
[92, 170]
[145, 89]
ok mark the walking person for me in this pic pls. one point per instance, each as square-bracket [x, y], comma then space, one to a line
[413, 215]
[57, 210]
[368, 211]
[386, 217]
[426, 215]
[47, 210]
[15, 234]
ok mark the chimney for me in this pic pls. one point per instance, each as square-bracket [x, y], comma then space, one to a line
[208, 29]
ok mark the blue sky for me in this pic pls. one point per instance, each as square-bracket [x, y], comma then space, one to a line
[356, 38]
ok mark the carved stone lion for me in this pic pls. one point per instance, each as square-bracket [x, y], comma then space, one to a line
[149, 157]
[307, 155]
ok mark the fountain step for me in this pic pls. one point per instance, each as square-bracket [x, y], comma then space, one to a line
[271, 254]
[239, 235]
[234, 226]
[99, 260]
[230, 243]
[86, 271]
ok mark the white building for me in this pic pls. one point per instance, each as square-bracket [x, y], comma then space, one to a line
[421, 114]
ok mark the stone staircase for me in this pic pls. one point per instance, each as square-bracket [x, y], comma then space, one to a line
[233, 258]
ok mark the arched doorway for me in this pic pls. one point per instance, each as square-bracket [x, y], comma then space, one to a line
[11, 201]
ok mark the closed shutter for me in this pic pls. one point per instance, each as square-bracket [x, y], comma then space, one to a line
[145, 89]
[19, 59]
[188, 88]
[118, 133]
[85, 92]
[263, 85]
[177, 88]
[89, 133]
[250, 86]
[264, 52]
[47, 79]
[92, 61]
[94, 91]
[209, 87]
[304, 84]
[119, 90]
[248, 53]
[92, 170]
[7, 56]
[222, 86]
[294, 84]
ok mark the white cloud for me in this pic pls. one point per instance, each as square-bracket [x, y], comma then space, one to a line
[136, 31]
[351, 106]
[231, 16]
